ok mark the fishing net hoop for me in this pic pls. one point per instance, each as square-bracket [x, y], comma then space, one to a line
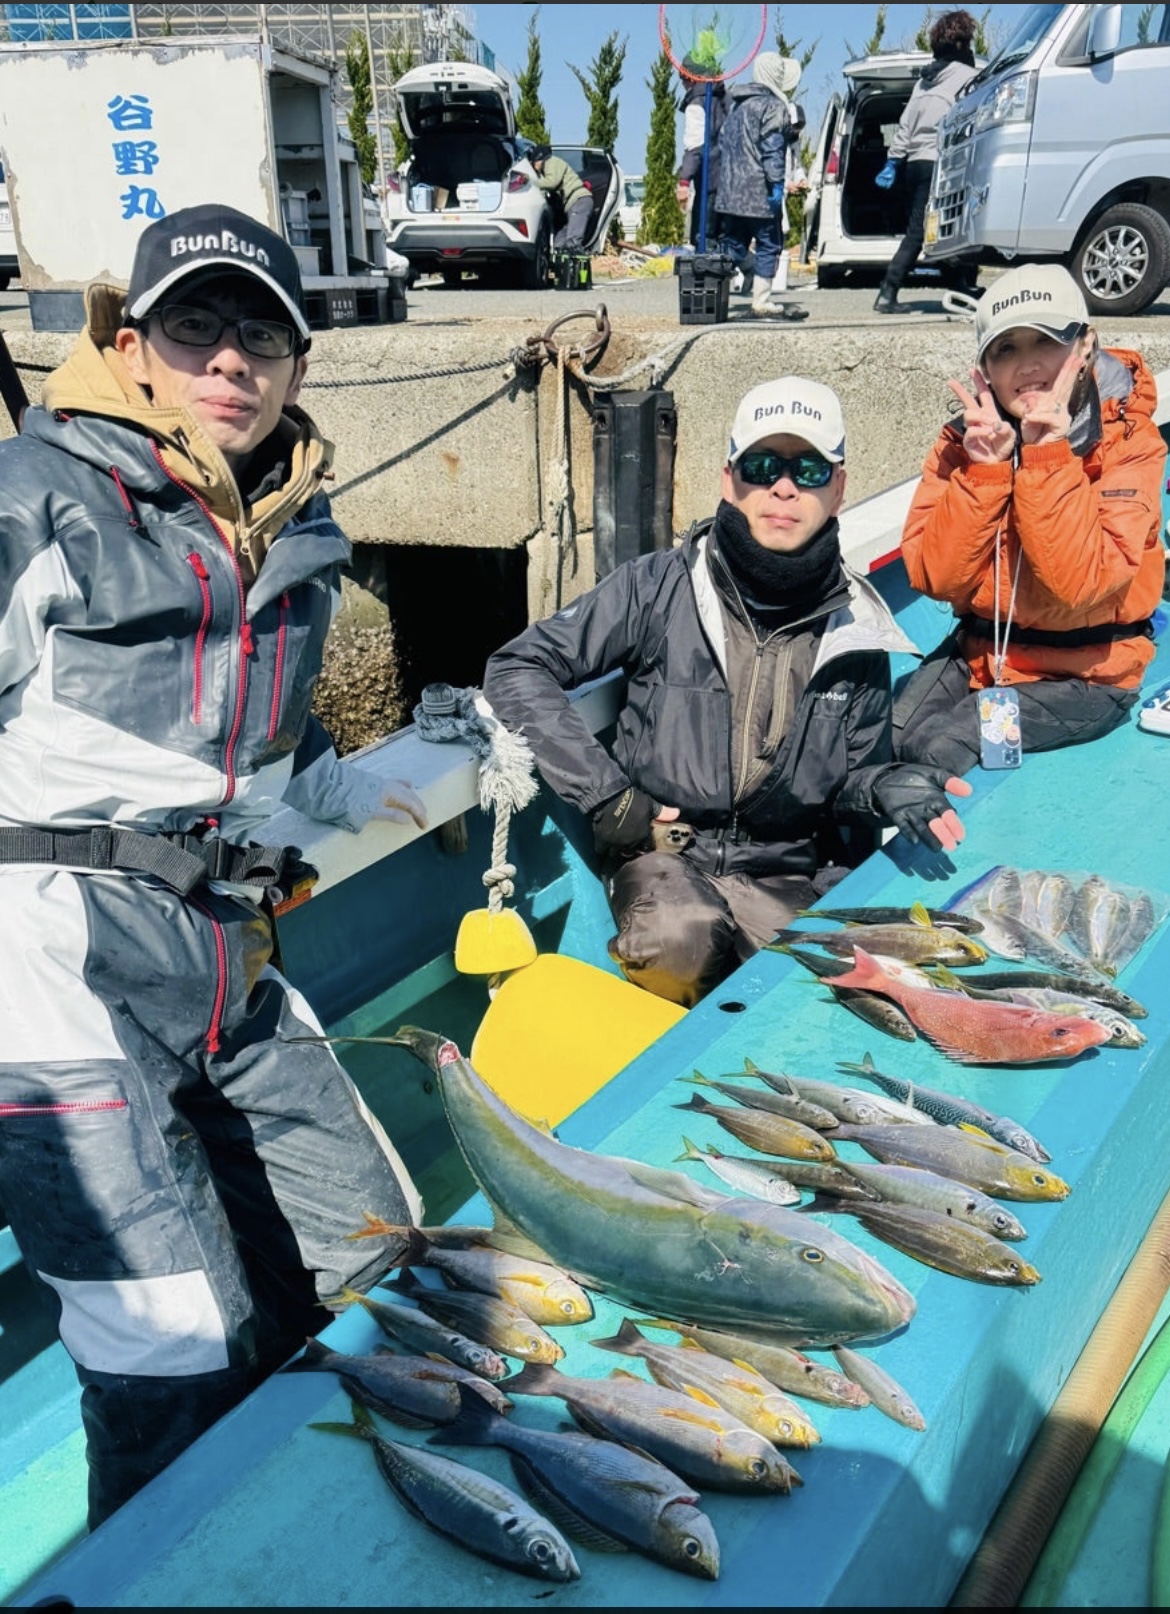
[726, 72]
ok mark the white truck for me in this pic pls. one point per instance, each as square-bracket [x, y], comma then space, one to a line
[1059, 150]
[100, 138]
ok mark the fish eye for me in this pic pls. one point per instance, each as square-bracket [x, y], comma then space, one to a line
[787, 1427]
[542, 1549]
[1040, 1179]
[692, 1547]
[759, 1468]
[811, 1253]
[568, 1308]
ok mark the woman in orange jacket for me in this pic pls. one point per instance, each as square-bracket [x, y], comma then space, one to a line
[1037, 519]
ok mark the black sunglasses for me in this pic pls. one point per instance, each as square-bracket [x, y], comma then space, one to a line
[196, 327]
[762, 468]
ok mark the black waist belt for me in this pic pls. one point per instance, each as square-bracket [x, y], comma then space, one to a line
[1067, 639]
[181, 861]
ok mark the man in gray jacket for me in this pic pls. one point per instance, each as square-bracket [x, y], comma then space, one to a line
[752, 764]
[914, 147]
[182, 1170]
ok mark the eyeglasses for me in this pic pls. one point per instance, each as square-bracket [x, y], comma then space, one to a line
[195, 327]
[762, 468]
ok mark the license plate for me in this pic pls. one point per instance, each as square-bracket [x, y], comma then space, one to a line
[930, 231]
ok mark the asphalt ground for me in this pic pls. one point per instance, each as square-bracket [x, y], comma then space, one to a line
[655, 299]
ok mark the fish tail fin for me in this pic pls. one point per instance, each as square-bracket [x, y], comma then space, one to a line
[473, 1425]
[946, 977]
[627, 1339]
[362, 1426]
[375, 1228]
[313, 1358]
[695, 1102]
[864, 1067]
[690, 1152]
[866, 973]
[697, 1076]
[534, 1378]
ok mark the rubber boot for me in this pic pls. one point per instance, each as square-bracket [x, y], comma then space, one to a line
[780, 278]
[766, 305]
[887, 302]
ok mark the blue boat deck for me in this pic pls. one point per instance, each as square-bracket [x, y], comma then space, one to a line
[265, 1511]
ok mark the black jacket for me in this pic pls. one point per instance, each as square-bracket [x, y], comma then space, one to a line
[659, 620]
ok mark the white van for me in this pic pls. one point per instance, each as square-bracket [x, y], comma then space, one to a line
[1060, 150]
[849, 224]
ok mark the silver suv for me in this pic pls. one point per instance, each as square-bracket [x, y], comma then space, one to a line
[467, 198]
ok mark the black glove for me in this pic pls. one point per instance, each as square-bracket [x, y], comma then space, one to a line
[911, 795]
[622, 824]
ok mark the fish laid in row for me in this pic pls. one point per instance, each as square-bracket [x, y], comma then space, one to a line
[737, 1387]
[884, 1391]
[975, 1031]
[1095, 990]
[415, 1391]
[685, 1429]
[472, 1508]
[541, 1290]
[948, 1108]
[598, 1491]
[948, 917]
[923, 1189]
[652, 1238]
[761, 1129]
[782, 1365]
[879, 1012]
[917, 942]
[745, 1174]
[944, 1242]
[411, 1327]
[964, 1156]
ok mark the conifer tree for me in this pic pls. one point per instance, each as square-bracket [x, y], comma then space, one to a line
[662, 217]
[600, 86]
[399, 60]
[530, 115]
[357, 71]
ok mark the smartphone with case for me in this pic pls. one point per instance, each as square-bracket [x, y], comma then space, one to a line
[999, 728]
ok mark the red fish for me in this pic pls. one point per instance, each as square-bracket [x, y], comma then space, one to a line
[1012, 1034]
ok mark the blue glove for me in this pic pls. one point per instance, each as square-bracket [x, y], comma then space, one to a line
[776, 199]
[889, 174]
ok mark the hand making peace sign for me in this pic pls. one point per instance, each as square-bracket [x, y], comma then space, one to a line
[987, 436]
[1046, 416]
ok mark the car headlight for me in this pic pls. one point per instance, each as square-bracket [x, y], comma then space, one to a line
[1012, 102]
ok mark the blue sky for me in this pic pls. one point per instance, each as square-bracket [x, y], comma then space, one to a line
[575, 32]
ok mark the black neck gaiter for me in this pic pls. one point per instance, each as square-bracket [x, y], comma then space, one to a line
[779, 588]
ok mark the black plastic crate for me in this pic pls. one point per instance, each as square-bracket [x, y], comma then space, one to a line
[572, 271]
[704, 287]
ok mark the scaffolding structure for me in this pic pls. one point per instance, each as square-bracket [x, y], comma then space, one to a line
[396, 36]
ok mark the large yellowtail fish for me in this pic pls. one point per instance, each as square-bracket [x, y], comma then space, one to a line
[652, 1238]
[600, 1491]
[472, 1508]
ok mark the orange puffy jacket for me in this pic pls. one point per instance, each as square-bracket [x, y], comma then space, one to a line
[1087, 531]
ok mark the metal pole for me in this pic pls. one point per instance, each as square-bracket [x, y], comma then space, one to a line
[377, 104]
[703, 180]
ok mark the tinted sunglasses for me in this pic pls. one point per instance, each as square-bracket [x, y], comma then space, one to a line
[195, 327]
[761, 467]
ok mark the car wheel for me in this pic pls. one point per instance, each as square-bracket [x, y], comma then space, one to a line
[452, 277]
[5, 282]
[534, 272]
[1122, 261]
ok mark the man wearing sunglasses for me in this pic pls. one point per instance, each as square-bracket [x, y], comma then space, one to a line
[752, 763]
[180, 1176]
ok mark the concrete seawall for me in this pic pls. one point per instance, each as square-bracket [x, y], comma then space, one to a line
[469, 434]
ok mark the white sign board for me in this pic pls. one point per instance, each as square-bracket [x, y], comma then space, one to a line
[98, 143]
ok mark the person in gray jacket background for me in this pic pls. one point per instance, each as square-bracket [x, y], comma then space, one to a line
[752, 763]
[914, 147]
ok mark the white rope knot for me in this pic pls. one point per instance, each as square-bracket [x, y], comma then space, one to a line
[500, 883]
